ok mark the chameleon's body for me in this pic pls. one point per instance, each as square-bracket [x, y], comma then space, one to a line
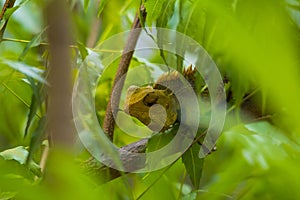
[157, 106]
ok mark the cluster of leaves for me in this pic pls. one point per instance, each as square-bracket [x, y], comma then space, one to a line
[253, 42]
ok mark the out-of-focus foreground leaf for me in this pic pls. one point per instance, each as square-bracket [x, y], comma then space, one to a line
[253, 160]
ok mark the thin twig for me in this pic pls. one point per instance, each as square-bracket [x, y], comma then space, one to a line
[157, 179]
[243, 100]
[262, 118]
[70, 46]
[109, 122]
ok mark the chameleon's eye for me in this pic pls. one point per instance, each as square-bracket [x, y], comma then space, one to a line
[150, 99]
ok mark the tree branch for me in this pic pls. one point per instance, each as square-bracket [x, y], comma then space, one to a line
[95, 168]
[109, 122]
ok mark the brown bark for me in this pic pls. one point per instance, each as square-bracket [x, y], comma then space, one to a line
[59, 111]
[109, 122]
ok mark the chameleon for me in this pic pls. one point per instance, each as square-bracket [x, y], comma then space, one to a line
[156, 105]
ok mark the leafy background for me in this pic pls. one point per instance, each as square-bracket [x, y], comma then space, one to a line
[255, 44]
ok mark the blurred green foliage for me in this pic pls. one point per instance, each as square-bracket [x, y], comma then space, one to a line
[255, 44]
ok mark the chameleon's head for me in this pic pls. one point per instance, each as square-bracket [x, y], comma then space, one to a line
[154, 108]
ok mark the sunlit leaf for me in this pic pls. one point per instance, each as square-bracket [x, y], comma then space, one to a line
[190, 196]
[18, 153]
[28, 70]
[251, 158]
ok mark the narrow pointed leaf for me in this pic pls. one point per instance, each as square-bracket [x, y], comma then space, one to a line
[101, 7]
[25, 69]
[35, 41]
[153, 9]
[193, 164]
[37, 98]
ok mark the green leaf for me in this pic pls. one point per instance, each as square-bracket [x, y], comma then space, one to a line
[25, 69]
[2, 23]
[33, 107]
[35, 168]
[162, 21]
[166, 13]
[294, 7]
[190, 196]
[10, 11]
[101, 6]
[239, 87]
[35, 41]
[7, 195]
[37, 98]
[15, 95]
[261, 143]
[192, 22]
[37, 138]
[83, 51]
[154, 9]
[158, 141]
[18, 154]
[86, 5]
[193, 164]
[268, 131]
